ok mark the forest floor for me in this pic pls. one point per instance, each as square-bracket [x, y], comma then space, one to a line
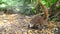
[18, 24]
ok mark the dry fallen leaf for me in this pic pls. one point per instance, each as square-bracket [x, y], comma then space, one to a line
[58, 24]
[50, 25]
[30, 32]
[19, 32]
[48, 31]
[38, 31]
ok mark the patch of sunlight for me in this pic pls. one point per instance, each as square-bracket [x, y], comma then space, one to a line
[1, 23]
[4, 0]
[9, 3]
[43, 2]
[3, 5]
[4, 14]
[17, 9]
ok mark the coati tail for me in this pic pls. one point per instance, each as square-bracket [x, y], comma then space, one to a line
[44, 9]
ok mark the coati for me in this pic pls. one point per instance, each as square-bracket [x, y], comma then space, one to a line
[41, 20]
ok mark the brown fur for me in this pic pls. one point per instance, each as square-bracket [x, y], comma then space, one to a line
[39, 19]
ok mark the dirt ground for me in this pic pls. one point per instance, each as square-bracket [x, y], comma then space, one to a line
[18, 24]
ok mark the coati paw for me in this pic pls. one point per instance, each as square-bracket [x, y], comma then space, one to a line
[33, 26]
[30, 25]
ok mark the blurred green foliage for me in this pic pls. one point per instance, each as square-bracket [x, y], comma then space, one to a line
[24, 6]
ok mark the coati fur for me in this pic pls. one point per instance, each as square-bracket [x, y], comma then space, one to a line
[40, 20]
